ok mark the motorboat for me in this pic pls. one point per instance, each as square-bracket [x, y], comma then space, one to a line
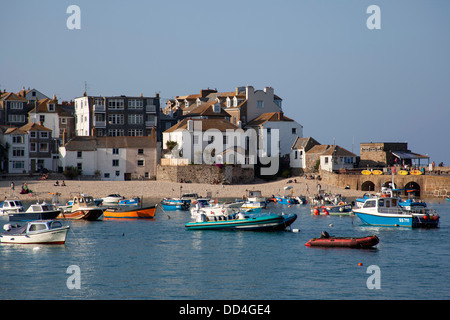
[11, 206]
[340, 209]
[35, 232]
[301, 199]
[37, 211]
[286, 200]
[326, 240]
[254, 200]
[386, 211]
[83, 207]
[211, 210]
[170, 204]
[130, 212]
[243, 221]
[112, 198]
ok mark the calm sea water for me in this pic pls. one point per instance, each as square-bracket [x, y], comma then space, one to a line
[159, 259]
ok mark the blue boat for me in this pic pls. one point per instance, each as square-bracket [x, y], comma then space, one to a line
[286, 200]
[243, 221]
[386, 211]
[132, 201]
[170, 204]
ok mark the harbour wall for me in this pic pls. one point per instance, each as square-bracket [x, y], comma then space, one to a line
[429, 186]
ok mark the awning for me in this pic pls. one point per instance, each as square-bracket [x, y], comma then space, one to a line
[409, 155]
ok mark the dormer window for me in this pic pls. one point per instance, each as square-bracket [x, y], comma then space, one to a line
[51, 107]
[229, 103]
[216, 108]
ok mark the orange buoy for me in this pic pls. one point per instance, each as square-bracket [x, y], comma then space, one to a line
[360, 264]
[316, 212]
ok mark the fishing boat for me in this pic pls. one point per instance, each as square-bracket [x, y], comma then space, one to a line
[170, 204]
[83, 207]
[326, 240]
[385, 211]
[11, 206]
[37, 211]
[286, 200]
[243, 221]
[130, 212]
[132, 201]
[35, 232]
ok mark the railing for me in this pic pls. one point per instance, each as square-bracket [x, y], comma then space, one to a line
[99, 108]
[100, 124]
[150, 108]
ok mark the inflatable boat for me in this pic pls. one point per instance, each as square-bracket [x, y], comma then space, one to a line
[346, 242]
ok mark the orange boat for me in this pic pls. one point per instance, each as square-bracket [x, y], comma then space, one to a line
[130, 212]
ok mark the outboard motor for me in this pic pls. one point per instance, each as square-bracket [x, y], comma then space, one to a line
[324, 234]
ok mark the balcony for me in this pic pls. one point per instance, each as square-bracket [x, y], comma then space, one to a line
[99, 108]
[100, 124]
[150, 123]
[150, 108]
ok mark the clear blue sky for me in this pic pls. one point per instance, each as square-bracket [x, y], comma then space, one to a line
[337, 78]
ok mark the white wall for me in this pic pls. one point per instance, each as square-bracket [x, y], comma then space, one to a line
[82, 116]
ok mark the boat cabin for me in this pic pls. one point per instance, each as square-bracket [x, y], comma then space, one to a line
[83, 201]
[382, 204]
[41, 207]
[11, 206]
[33, 227]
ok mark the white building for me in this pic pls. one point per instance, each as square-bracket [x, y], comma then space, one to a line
[298, 152]
[113, 158]
[17, 141]
[332, 157]
[275, 131]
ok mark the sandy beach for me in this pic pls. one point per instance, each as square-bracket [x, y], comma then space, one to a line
[156, 190]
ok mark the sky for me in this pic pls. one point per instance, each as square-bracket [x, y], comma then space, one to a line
[345, 83]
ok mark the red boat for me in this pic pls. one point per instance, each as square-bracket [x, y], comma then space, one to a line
[349, 242]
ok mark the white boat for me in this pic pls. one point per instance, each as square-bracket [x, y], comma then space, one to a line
[35, 232]
[212, 210]
[37, 211]
[11, 206]
[83, 207]
[255, 200]
[112, 198]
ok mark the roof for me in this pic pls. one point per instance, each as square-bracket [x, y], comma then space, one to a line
[31, 126]
[269, 116]
[304, 143]
[88, 143]
[12, 96]
[331, 150]
[205, 124]
[408, 155]
[206, 109]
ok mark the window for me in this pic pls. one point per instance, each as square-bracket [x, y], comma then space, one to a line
[44, 134]
[115, 163]
[79, 154]
[33, 147]
[33, 134]
[260, 104]
[140, 163]
[115, 132]
[370, 204]
[106, 175]
[135, 119]
[79, 166]
[15, 105]
[42, 118]
[51, 107]
[17, 139]
[18, 152]
[135, 104]
[115, 104]
[117, 173]
[16, 118]
[18, 164]
[326, 159]
[63, 120]
[43, 147]
[115, 118]
[140, 151]
[115, 151]
[135, 132]
[294, 130]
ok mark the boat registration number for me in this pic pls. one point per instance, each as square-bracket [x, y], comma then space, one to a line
[403, 219]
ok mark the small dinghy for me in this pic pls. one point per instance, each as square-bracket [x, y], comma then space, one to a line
[326, 240]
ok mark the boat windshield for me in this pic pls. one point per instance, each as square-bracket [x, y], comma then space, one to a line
[55, 224]
[89, 200]
[370, 204]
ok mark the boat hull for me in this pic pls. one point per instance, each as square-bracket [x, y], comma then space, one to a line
[282, 200]
[263, 223]
[398, 220]
[23, 216]
[57, 236]
[82, 214]
[333, 242]
[130, 213]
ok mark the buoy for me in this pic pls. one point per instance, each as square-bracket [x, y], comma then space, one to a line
[316, 212]
[360, 264]
[330, 225]
[425, 217]
[325, 212]
[295, 230]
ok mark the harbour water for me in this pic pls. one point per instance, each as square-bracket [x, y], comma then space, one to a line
[159, 259]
